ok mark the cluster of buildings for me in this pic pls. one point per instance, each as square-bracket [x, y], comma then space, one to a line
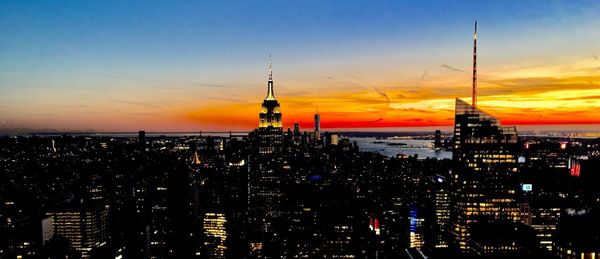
[278, 193]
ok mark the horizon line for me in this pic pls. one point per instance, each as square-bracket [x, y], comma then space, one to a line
[524, 128]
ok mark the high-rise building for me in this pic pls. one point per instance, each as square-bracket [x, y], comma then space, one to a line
[83, 226]
[333, 139]
[415, 228]
[215, 235]
[437, 142]
[442, 212]
[266, 176]
[484, 179]
[297, 133]
[485, 176]
[270, 127]
[544, 219]
[548, 154]
[47, 230]
[317, 125]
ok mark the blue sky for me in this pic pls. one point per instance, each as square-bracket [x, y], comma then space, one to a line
[55, 53]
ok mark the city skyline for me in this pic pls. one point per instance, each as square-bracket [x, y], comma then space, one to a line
[384, 65]
[309, 129]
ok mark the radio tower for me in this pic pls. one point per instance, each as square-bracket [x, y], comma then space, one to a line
[474, 101]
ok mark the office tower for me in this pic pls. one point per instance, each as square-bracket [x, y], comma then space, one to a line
[47, 230]
[442, 211]
[160, 224]
[266, 177]
[317, 125]
[544, 218]
[437, 142]
[95, 190]
[484, 179]
[547, 154]
[220, 201]
[83, 225]
[297, 133]
[333, 139]
[415, 228]
[545, 168]
[270, 128]
[215, 234]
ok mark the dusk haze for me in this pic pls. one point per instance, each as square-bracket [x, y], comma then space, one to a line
[200, 65]
[276, 129]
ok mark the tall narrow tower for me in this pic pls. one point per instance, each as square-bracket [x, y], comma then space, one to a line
[270, 128]
[474, 101]
[317, 125]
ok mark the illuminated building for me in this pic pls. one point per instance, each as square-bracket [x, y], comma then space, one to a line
[333, 139]
[574, 168]
[196, 159]
[265, 181]
[95, 188]
[270, 128]
[83, 228]
[215, 234]
[485, 156]
[442, 212]
[547, 154]
[266, 175]
[415, 225]
[544, 219]
[484, 179]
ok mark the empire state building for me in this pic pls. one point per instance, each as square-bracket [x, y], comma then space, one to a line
[270, 129]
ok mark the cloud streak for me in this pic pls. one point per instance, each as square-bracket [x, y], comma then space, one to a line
[453, 68]
[383, 94]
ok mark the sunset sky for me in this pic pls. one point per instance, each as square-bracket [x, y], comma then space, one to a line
[202, 65]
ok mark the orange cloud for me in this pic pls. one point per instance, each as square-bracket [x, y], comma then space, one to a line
[541, 95]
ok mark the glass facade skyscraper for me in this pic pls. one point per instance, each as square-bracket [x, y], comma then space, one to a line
[484, 177]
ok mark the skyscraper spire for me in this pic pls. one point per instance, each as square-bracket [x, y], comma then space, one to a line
[270, 69]
[270, 95]
[474, 94]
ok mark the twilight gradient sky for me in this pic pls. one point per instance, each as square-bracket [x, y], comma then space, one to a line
[202, 65]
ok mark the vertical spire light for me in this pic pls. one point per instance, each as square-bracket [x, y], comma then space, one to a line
[270, 94]
[270, 70]
[474, 95]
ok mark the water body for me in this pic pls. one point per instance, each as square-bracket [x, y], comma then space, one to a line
[420, 147]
